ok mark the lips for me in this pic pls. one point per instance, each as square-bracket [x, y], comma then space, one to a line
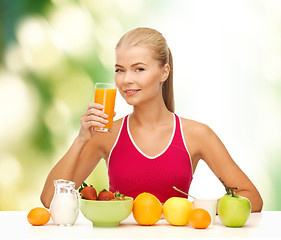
[131, 92]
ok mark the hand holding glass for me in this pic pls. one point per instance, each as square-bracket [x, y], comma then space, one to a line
[105, 94]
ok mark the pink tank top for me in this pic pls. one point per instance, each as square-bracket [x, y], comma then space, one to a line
[132, 172]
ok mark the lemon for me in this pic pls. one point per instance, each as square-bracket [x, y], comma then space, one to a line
[177, 210]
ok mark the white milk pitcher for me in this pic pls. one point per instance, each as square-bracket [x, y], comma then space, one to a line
[64, 208]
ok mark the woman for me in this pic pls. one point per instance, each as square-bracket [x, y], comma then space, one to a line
[152, 149]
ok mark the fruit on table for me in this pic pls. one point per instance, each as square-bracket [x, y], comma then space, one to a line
[233, 210]
[177, 211]
[88, 192]
[199, 218]
[38, 216]
[147, 209]
[119, 196]
[105, 195]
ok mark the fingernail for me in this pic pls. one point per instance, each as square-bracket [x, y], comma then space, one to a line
[105, 115]
[106, 121]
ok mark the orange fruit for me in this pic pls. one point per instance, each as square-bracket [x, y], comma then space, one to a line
[38, 216]
[147, 209]
[176, 211]
[199, 218]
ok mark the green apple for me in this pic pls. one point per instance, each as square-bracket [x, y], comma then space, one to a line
[233, 210]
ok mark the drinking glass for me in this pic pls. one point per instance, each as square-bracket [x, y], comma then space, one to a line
[105, 94]
[209, 205]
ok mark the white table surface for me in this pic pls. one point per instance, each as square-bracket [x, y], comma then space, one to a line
[14, 225]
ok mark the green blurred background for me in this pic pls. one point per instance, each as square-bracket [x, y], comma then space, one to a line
[227, 71]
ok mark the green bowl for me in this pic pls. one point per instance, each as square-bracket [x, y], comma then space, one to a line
[106, 213]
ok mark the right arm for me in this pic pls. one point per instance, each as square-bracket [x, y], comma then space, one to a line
[70, 167]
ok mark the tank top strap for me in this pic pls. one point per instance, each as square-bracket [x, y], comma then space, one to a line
[125, 126]
[178, 132]
[179, 140]
[122, 134]
[123, 129]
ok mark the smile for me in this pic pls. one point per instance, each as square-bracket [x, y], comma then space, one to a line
[131, 92]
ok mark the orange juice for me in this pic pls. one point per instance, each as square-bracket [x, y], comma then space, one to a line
[106, 97]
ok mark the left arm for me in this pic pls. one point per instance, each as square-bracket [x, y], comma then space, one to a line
[214, 153]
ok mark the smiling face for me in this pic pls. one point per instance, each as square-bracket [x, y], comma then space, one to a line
[138, 75]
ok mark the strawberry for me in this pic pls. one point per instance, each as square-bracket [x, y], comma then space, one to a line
[105, 195]
[119, 196]
[88, 192]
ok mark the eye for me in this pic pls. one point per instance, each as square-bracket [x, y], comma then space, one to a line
[119, 70]
[140, 69]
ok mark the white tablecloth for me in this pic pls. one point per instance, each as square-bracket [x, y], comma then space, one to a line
[14, 225]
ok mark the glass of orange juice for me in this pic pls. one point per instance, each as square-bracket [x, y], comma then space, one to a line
[105, 94]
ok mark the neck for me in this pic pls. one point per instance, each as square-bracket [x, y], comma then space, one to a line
[151, 115]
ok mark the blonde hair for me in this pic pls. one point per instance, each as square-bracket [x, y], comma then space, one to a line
[154, 40]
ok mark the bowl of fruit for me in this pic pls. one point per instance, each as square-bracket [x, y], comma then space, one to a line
[105, 209]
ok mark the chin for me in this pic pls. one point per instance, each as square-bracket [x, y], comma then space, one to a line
[131, 103]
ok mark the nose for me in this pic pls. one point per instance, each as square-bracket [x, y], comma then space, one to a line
[128, 78]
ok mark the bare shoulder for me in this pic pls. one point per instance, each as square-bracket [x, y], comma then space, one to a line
[101, 143]
[105, 141]
[194, 128]
[117, 124]
[200, 140]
